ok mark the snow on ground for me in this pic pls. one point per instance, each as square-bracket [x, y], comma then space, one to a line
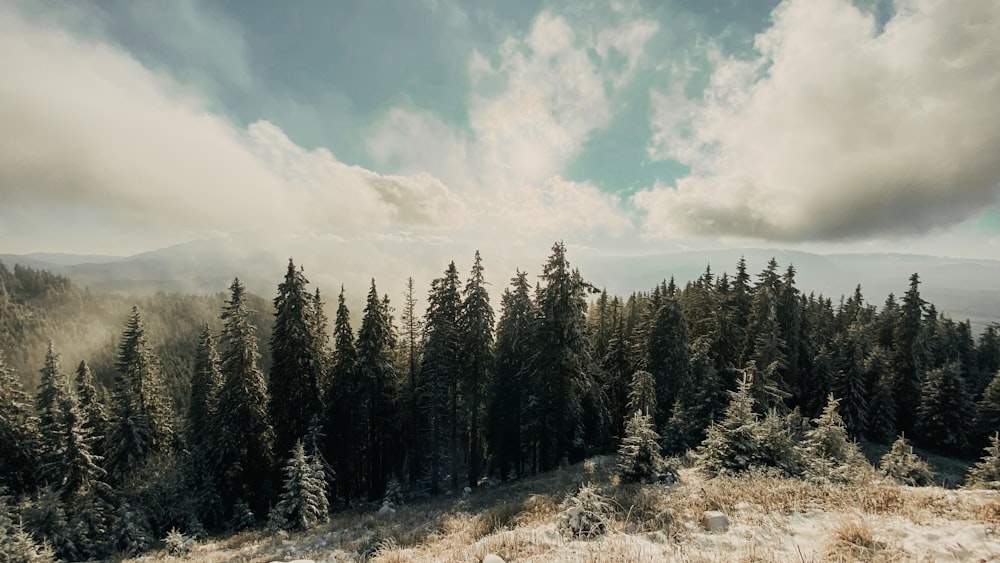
[772, 519]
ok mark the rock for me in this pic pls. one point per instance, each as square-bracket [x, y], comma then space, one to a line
[715, 521]
[468, 490]
[386, 510]
[493, 558]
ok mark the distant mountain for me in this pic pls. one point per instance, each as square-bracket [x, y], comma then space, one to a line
[961, 288]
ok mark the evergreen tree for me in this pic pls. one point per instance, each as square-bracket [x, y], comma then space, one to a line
[767, 360]
[508, 393]
[946, 413]
[559, 370]
[20, 441]
[439, 376]
[850, 382]
[377, 382]
[320, 328]
[881, 416]
[141, 419]
[53, 389]
[905, 467]
[640, 459]
[95, 413]
[618, 365]
[76, 470]
[988, 411]
[986, 473]
[476, 323]
[642, 393]
[731, 445]
[411, 350]
[344, 423]
[17, 545]
[206, 381]
[667, 357]
[244, 437]
[830, 454]
[297, 362]
[907, 339]
[303, 502]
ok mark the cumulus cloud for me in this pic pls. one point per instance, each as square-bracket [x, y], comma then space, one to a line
[87, 125]
[837, 129]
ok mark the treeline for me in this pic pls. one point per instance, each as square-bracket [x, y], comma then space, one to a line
[432, 402]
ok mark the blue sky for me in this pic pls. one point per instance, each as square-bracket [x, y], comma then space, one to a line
[618, 126]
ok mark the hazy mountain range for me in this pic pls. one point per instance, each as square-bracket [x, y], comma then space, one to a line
[959, 287]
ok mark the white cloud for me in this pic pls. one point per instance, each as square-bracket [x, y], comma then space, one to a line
[86, 125]
[837, 131]
[629, 40]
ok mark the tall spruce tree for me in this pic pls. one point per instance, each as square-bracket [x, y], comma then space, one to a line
[244, 437]
[92, 408]
[439, 376]
[302, 503]
[508, 393]
[560, 369]
[907, 354]
[377, 383]
[668, 357]
[206, 381]
[20, 441]
[345, 407]
[141, 417]
[53, 391]
[946, 413]
[320, 327]
[411, 345]
[476, 324]
[296, 362]
[618, 365]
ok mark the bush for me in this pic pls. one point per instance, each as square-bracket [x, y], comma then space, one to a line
[986, 473]
[905, 467]
[584, 515]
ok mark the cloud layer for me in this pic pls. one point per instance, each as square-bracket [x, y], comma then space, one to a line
[837, 130]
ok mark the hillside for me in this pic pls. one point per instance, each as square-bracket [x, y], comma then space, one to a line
[771, 519]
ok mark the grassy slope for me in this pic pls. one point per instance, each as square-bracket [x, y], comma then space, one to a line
[773, 519]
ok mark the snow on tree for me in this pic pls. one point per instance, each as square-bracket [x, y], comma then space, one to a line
[946, 413]
[17, 545]
[830, 454]
[906, 467]
[20, 441]
[731, 445]
[476, 325]
[141, 425]
[244, 437]
[639, 454]
[94, 411]
[667, 356]
[206, 380]
[986, 473]
[988, 408]
[45, 517]
[296, 362]
[303, 502]
[53, 388]
[642, 393]
[344, 416]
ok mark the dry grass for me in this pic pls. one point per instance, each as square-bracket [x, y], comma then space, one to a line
[646, 523]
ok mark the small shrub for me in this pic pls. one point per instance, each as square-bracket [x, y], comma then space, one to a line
[905, 467]
[177, 544]
[986, 473]
[584, 515]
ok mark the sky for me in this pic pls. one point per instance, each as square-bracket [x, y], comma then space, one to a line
[619, 127]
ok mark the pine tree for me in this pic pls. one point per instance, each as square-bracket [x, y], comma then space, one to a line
[618, 366]
[76, 470]
[141, 425]
[476, 325]
[905, 467]
[411, 351]
[907, 337]
[297, 362]
[377, 384]
[244, 437]
[881, 417]
[830, 454]
[206, 381]
[946, 413]
[850, 382]
[303, 502]
[560, 369]
[640, 459]
[92, 408]
[986, 473]
[344, 426]
[508, 393]
[642, 393]
[17, 545]
[731, 445]
[668, 357]
[53, 389]
[319, 325]
[988, 411]
[20, 441]
[439, 375]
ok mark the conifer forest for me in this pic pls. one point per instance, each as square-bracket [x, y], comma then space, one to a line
[207, 415]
